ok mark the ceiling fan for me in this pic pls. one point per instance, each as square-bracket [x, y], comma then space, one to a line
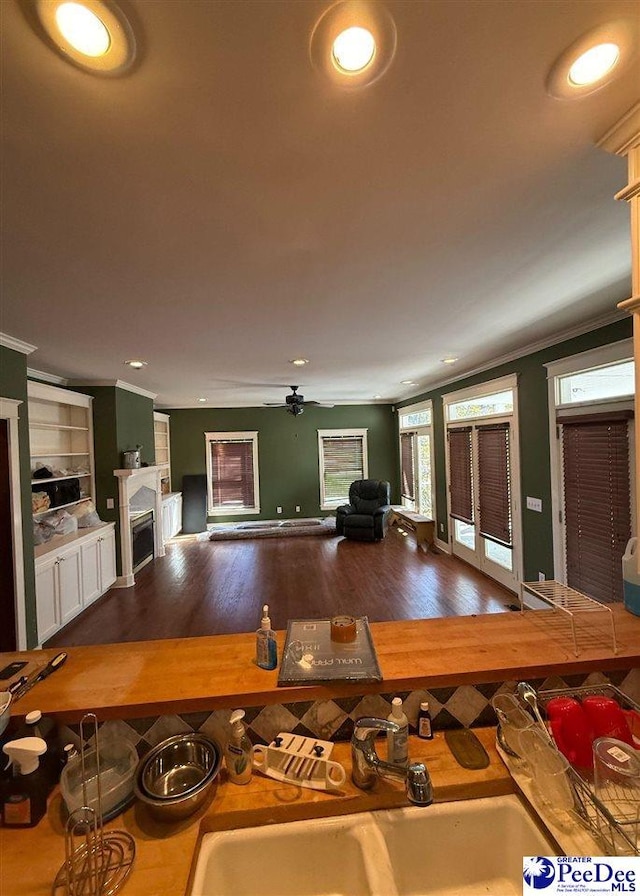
[295, 404]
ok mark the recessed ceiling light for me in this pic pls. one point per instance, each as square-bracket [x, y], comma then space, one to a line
[83, 29]
[93, 34]
[450, 360]
[593, 61]
[202, 399]
[136, 364]
[408, 383]
[377, 396]
[594, 64]
[353, 43]
[354, 49]
[299, 362]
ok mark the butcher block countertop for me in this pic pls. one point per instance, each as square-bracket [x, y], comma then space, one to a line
[142, 679]
[30, 858]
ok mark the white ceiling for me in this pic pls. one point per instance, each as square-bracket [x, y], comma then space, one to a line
[223, 208]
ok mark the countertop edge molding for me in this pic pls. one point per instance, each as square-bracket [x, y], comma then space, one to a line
[131, 680]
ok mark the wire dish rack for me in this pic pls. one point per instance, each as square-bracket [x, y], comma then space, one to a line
[616, 824]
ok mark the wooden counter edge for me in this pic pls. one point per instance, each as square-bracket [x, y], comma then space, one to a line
[143, 679]
[165, 853]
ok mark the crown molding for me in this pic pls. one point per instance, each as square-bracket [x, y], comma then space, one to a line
[230, 407]
[118, 384]
[16, 345]
[45, 377]
[530, 349]
[624, 134]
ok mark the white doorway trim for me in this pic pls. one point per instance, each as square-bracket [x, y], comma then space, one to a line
[510, 579]
[597, 357]
[9, 412]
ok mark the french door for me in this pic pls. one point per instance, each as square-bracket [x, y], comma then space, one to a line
[485, 529]
[416, 467]
[597, 505]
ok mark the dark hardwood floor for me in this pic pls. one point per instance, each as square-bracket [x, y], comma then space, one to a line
[210, 588]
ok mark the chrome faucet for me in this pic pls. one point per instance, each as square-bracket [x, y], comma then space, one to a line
[366, 765]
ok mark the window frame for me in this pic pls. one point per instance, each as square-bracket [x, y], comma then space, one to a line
[346, 433]
[245, 436]
[417, 429]
[602, 356]
[511, 577]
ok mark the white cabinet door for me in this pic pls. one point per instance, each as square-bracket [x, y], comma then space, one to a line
[166, 520]
[91, 589]
[47, 616]
[70, 584]
[107, 546]
[171, 516]
[176, 515]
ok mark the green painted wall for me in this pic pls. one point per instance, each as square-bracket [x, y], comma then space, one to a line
[13, 384]
[287, 447]
[134, 416]
[535, 465]
[121, 420]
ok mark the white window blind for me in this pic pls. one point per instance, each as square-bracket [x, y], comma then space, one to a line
[343, 459]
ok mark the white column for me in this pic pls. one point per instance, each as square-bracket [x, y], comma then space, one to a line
[623, 139]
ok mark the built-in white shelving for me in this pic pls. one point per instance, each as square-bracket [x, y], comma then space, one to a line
[162, 442]
[61, 438]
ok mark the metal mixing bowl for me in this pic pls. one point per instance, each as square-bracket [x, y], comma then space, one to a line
[174, 778]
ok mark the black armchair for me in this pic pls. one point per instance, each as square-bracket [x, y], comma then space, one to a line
[364, 518]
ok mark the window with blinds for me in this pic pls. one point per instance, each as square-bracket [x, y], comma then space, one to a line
[597, 501]
[494, 483]
[407, 466]
[232, 468]
[460, 474]
[343, 459]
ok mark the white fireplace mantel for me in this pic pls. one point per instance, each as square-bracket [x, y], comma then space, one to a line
[129, 482]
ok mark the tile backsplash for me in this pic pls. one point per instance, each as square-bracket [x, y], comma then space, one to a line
[466, 706]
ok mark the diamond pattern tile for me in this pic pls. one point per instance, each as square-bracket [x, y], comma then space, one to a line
[372, 705]
[324, 718]
[465, 706]
[217, 727]
[164, 727]
[272, 720]
[630, 684]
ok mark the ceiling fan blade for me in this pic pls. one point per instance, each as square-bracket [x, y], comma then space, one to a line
[273, 404]
[319, 404]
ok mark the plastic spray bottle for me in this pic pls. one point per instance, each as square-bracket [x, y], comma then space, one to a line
[24, 795]
[266, 644]
[239, 751]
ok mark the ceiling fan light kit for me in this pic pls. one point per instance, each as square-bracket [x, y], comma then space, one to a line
[295, 403]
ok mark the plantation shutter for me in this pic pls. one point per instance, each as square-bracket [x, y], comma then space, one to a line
[460, 476]
[343, 463]
[407, 442]
[494, 486]
[597, 502]
[232, 474]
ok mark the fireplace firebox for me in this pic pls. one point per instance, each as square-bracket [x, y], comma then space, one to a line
[143, 540]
